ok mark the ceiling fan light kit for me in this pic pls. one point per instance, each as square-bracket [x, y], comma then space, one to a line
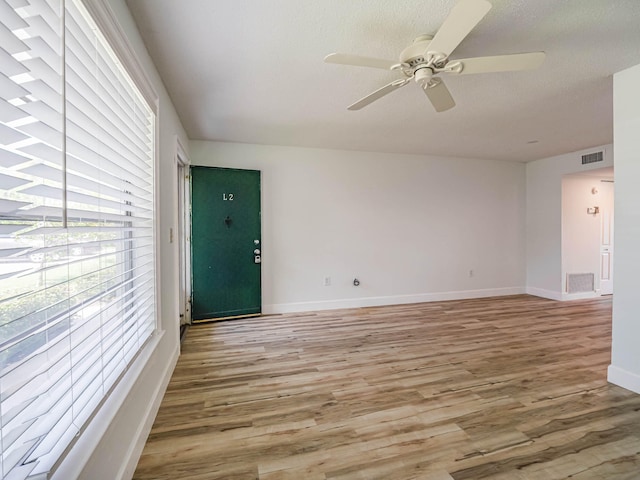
[428, 57]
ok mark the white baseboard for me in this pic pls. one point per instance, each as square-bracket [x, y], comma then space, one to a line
[580, 296]
[560, 296]
[540, 292]
[623, 378]
[388, 300]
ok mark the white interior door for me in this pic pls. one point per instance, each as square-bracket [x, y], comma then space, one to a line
[606, 239]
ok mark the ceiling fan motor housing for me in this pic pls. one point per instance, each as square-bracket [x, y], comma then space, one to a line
[423, 75]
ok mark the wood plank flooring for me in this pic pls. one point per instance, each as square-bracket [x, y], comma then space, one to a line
[504, 388]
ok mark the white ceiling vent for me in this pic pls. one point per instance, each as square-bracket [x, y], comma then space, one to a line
[592, 157]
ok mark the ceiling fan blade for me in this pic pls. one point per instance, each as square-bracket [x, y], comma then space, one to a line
[464, 16]
[501, 63]
[439, 95]
[358, 61]
[381, 92]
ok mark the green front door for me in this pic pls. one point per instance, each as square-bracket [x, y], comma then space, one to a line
[225, 243]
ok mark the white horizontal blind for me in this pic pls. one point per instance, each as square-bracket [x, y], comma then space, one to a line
[77, 286]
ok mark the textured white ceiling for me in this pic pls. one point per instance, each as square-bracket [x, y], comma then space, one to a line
[252, 71]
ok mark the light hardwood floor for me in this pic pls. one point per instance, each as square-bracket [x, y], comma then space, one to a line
[504, 388]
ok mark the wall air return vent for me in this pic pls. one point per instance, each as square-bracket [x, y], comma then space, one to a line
[580, 282]
[592, 157]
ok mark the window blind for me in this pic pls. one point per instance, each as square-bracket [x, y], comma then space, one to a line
[77, 281]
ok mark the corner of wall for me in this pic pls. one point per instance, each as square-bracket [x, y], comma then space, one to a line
[541, 292]
[625, 354]
[623, 378]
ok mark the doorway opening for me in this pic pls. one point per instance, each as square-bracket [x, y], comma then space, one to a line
[587, 233]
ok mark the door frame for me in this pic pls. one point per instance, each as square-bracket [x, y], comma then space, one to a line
[607, 236]
[183, 233]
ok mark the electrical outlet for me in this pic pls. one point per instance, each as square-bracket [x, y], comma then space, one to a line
[327, 281]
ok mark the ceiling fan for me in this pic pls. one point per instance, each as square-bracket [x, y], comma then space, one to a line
[428, 57]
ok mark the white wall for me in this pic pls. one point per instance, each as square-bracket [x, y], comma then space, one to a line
[544, 218]
[581, 232]
[409, 227]
[625, 355]
[110, 447]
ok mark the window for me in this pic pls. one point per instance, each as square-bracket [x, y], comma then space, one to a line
[77, 281]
